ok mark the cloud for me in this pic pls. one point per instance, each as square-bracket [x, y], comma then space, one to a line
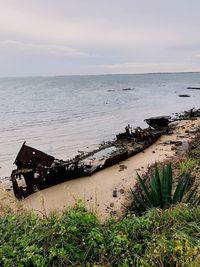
[109, 28]
[150, 67]
[98, 36]
[44, 49]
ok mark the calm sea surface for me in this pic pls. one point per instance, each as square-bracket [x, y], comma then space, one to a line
[61, 115]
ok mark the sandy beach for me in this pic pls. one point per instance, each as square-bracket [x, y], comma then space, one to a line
[97, 190]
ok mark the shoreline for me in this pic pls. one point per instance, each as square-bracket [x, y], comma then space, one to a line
[106, 191]
[61, 130]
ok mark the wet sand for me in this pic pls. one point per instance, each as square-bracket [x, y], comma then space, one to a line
[97, 190]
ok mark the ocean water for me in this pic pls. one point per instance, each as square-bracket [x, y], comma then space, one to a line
[66, 114]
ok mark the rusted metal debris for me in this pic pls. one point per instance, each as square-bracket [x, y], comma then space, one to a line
[39, 170]
[159, 123]
[162, 122]
[189, 114]
[29, 157]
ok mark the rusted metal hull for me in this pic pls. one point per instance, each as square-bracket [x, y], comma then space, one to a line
[39, 170]
[158, 123]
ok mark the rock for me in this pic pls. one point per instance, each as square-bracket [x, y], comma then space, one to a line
[112, 205]
[190, 131]
[128, 89]
[115, 193]
[184, 95]
[193, 88]
[114, 212]
[166, 143]
[121, 191]
[122, 167]
[176, 143]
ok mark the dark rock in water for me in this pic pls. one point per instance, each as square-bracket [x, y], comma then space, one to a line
[184, 95]
[128, 89]
[193, 88]
[123, 89]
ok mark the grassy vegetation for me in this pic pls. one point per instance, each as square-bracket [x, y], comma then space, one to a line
[76, 238]
[169, 237]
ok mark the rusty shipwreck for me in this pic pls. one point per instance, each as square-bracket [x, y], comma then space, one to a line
[37, 170]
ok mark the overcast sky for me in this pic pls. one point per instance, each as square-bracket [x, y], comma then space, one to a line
[62, 37]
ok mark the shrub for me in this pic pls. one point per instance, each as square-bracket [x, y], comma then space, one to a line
[159, 192]
[76, 238]
[187, 166]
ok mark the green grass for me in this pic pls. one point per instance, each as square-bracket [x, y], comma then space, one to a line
[162, 238]
[76, 238]
[188, 165]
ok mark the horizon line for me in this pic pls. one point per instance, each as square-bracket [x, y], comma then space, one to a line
[103, 74]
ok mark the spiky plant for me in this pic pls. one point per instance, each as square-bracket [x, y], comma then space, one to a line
[159, 192]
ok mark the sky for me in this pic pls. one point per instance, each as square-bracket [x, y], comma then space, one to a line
[81, 37]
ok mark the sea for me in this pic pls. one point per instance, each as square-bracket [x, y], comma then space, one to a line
[63, 115]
